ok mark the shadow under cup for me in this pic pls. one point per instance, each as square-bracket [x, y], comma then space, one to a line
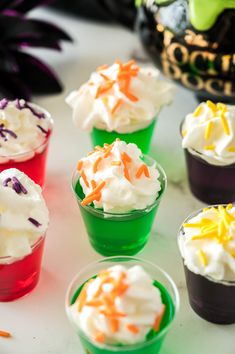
[19, 276]
[142, 138]
[114, 234]
[210, 183]
[169, 294]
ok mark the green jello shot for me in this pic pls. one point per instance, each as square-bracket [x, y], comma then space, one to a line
[153, 340]
[142, 138]
[114, 234]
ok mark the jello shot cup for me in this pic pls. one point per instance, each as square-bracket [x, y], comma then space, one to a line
[209, 147]
[25, 133]
[24, 221]
[120, 101]
[206, 243]
[134, 270]
[115, 233]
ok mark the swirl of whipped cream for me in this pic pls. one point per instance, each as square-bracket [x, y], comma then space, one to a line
[207, 243]
[117, 180]
[209, 133]
[122, 98]
[24, 127]
[119, 306]
[23, 214]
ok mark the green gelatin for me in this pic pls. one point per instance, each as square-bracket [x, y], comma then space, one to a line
[142, 138]
[115, 234]
[154, 340]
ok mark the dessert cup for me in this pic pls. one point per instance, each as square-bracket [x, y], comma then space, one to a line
[142, 138]
[210, 183]
[212, 299]
[32, 162]
[169, 294]
[115, 234]
[19, 276]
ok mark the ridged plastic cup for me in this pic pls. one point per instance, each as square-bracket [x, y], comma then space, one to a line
[213, 300]
[19, 276]
[32, 162]
[142, 138]
[114, 234]
[161, 279]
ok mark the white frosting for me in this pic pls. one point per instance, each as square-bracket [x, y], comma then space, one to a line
[120, 195]
[220, 263]
[141, 303]
[89, 111]
[24, 124]
[17, 233]
[194, 128]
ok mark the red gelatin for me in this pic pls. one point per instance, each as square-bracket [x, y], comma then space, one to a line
[34, 167]
[20, 277]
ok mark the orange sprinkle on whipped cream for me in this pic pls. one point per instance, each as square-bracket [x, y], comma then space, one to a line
[5, 334]
[112, 167]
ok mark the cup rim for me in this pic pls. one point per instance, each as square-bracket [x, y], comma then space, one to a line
[100, 212]
[125, 348]
[180, 232]
[47, 137]
[33, 246]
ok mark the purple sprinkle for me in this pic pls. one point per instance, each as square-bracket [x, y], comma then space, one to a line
[18, 186]
[3, 103]
[4, 131]
[22, 104]
[6, 181]
[42, 129]
[34, 222]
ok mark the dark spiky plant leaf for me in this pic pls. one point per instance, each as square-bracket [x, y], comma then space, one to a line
[21, 73]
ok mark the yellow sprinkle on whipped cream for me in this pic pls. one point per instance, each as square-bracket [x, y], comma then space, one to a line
[203, 258]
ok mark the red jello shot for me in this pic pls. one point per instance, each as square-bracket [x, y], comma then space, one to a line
[19, 276]
[33, 161]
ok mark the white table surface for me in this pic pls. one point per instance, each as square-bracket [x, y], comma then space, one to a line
[38, 322]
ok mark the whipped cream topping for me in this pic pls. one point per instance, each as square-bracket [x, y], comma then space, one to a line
[121, 97]
[117, 180]
[24, 127]
[119, 306]
[207, 243]
[209, 133]
[23, 214]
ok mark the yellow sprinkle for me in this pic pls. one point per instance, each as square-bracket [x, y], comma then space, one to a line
[184, 133]
[209, 147]
[208, 228]
[198, 111]
[192, 225]
[211, 105]
[220, 228]
[229, 206]
[225, 124]
[208, 130]
[232, 253]
[202, 257]
[206, 235]
[231, 149]
[222, 107]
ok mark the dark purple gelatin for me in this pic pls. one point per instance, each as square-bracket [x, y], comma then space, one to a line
[209, 183]
[213, 301]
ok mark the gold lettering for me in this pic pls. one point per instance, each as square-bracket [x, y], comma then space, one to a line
[170, 70]
[167, 38]
[171, 53]
[211, 89]
[226, 62]
[198, 81]
[228, 88]
[207, 57]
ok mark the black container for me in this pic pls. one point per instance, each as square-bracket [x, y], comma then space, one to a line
[202, 61]
[210, 183]
[211, 300]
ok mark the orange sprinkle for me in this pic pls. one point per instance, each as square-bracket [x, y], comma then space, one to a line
[130, 96]
[126, 157]
[142, 169]
[5, 334]
[103, 67]
[116, 163]
[100, 337]
[158, 320]
[132, 328]
[116, 106]
[108, 151]
[129, 63]
[91, 198]
[105, 77]
[84, 178]
[98, 188]
[114, 324]
[82, 299]
[93, 184]
[94, 303]
[96, 164]
[99, 148]
[106, 87]
[79, 165]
